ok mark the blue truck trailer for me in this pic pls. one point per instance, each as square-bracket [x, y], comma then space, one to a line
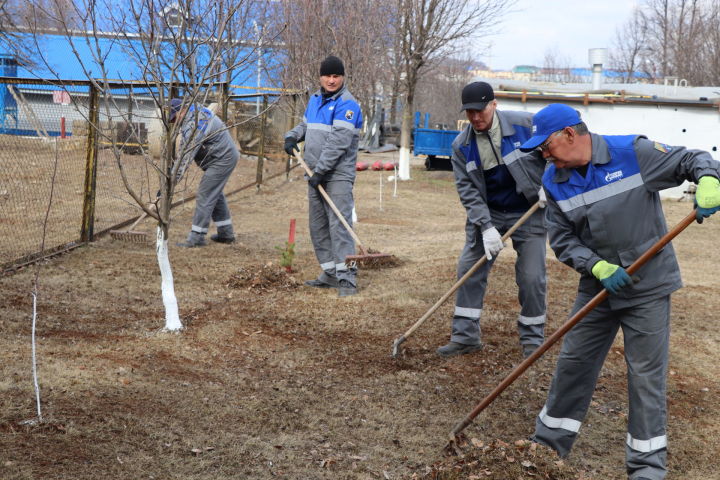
[436, 143]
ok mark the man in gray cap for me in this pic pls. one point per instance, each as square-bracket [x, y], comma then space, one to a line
[206, 140]
[496, 189]
[331, 131]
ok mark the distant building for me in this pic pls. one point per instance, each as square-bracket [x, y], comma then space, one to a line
[31, 109]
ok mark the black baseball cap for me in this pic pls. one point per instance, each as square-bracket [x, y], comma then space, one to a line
[476, 96]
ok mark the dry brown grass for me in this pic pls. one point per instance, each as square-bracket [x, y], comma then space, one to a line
[280, 382]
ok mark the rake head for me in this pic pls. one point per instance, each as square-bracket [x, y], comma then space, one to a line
[396, 346]
[373, 260]
[453, 447]
[129, 236]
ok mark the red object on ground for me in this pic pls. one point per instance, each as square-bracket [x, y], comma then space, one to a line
[389, 166]
[291, 236]
[377, 165]
[291, 241]
[361, 166]
[62, 127]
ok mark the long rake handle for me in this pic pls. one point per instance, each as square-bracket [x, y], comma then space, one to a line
[332, 205]
[469, 273]
[136, 222]
[564, 328]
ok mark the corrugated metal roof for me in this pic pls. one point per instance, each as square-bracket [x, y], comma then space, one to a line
[57, 57]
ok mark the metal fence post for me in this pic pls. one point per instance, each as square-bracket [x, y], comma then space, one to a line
[261, 153]
[290, 125]
[88, 218]
[224, 100]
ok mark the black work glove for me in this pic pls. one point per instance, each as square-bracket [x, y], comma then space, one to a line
[316, 180]
[290, 145]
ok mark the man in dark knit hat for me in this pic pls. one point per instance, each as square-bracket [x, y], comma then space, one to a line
[496, 189]
[330, 129]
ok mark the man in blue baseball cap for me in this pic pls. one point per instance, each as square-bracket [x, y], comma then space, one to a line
[603, 211]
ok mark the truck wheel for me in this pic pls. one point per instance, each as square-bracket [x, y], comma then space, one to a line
[429, 162]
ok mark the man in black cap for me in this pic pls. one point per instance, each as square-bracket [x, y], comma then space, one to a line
[497, 188]
[330, 129]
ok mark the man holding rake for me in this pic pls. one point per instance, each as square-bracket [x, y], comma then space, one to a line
[496, 189]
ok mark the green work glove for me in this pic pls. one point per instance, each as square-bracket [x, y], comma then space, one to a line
[707, 197]
[613, 277]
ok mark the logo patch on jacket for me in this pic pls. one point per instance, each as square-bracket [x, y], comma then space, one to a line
[661, 147]
[349, 114]
[612, 176]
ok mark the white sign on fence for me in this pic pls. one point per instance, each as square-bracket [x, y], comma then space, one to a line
[61, 96]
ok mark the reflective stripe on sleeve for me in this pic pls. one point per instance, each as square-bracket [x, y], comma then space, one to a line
[646, 446]
[197, 229]
[223, 223]
[568, 424]
[606, 191]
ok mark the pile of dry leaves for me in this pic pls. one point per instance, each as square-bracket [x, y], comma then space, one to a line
[500, 460]
[263, 278]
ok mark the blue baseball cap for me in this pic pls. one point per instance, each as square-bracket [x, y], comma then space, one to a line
[550, 119]
[175, 105]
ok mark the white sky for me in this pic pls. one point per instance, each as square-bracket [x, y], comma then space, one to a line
[568, 27]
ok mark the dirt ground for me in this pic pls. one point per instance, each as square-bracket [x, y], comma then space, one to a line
[271, 379]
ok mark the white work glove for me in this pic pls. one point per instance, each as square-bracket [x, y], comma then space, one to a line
[542, 199]
[492, 241]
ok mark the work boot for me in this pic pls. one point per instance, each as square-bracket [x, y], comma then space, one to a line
[528, 350]
[317, 283]
[345, 289]
[224, 234]
[217, 237]
[453, 348]
[193, 240]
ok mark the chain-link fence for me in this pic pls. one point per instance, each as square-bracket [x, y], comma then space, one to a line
[259, 123]
[61, 147]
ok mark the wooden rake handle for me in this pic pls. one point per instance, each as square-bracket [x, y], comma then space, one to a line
[332, 205]
[462, 279]
[564, 328]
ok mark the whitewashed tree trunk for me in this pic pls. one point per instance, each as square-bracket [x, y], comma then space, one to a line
[404, 164]
[172, 317]
[405, 135]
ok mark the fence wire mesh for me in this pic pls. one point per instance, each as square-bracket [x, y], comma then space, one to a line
[45, 139]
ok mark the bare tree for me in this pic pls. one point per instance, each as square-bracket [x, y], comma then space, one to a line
[675, 28]
[357, 31]
[430, 30]
[183, 43]
[629, 54]
[556, 67]
[710, 51]
[439, 91]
